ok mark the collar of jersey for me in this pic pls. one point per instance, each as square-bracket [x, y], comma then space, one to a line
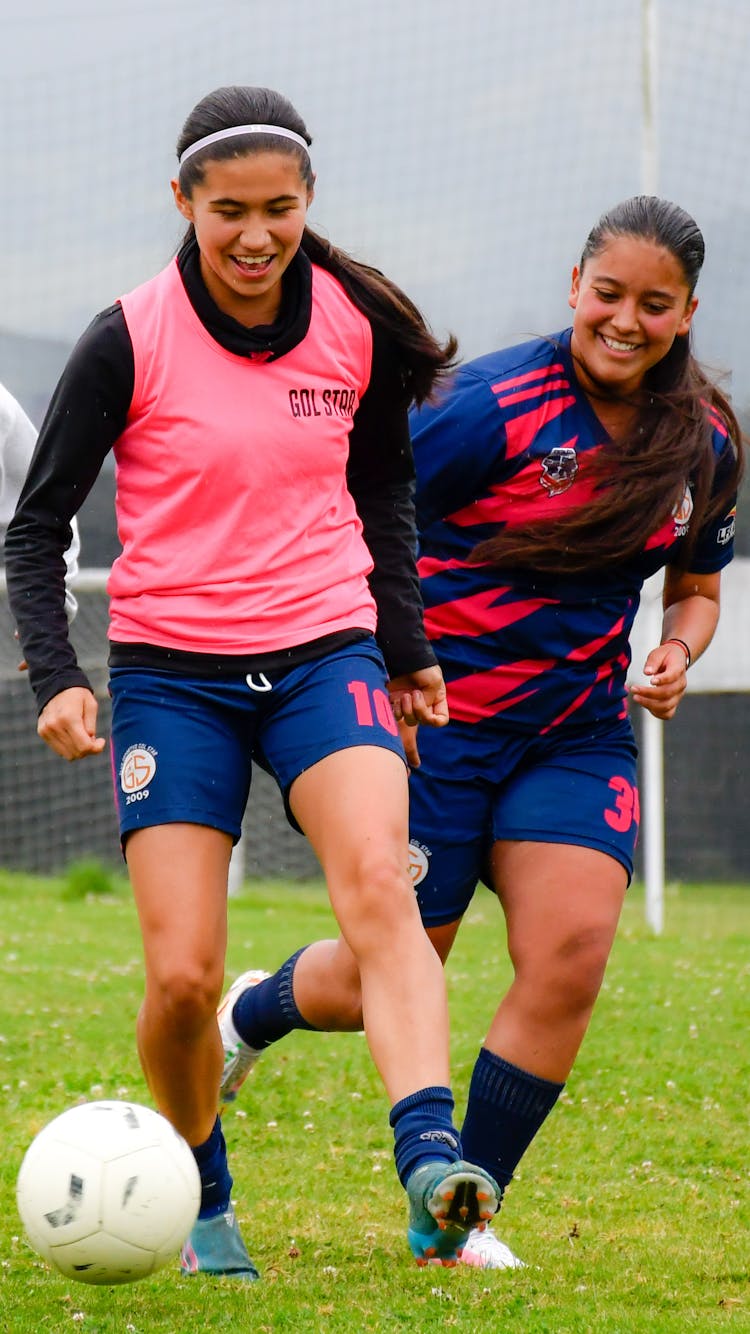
[287, 330]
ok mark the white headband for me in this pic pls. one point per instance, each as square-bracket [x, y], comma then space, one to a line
[242, 129]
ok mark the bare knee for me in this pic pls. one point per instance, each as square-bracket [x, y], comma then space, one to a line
[184, 997]
[376, 904]
[566, 978]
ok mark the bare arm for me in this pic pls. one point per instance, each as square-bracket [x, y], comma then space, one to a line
[691, 614]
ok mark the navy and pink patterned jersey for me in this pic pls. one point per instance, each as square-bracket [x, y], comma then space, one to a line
[511, 442]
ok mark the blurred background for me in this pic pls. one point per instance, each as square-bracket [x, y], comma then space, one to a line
[467, 151]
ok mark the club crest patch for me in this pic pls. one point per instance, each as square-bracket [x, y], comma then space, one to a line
[682, 513]
[419, 862]
[559, 469]
[137, 769]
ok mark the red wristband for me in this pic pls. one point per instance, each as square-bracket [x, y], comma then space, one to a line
[683, 646]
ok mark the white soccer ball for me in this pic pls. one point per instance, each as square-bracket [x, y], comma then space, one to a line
[108, 1192]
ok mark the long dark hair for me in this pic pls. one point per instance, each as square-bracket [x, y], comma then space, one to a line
[640, 477]
[422, 358]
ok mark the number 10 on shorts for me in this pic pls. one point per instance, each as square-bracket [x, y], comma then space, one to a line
[372, 706]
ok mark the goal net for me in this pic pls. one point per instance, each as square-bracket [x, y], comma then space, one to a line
[53, 814]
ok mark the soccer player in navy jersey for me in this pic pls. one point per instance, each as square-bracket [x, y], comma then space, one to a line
[552, 478]
[265, 607]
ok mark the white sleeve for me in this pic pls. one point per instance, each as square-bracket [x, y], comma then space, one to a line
[71, 571]
[17, 441]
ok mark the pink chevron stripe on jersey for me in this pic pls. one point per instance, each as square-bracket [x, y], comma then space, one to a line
[479, 614]
[585, 651]
[428, 565]
[520, 396]
[485, 694]
[663, 537]
[542, 373]
[716, 420]
[520, 432]
[601, 674]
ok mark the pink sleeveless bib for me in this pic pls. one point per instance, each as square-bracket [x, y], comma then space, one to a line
[239, 534]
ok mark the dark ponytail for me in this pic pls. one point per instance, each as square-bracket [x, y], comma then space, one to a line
[423, 359]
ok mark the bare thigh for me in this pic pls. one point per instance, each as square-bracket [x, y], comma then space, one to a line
[562, 904]
[179, 877]
[353, 807]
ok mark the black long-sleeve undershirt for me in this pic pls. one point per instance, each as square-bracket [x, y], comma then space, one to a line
[87, 414]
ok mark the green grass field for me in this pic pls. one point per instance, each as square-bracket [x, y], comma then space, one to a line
[631, 1208]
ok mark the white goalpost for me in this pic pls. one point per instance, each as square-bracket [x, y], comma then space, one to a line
[652, 756]
[712, 673]
[724, 669]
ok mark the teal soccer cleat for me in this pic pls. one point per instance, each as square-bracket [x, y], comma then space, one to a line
[215, 1246]
[446, 1202]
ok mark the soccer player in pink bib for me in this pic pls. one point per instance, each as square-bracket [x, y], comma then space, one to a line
[265, 608]
[552, 479]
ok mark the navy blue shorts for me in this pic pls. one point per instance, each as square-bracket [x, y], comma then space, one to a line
[183, 747]
[473, 789]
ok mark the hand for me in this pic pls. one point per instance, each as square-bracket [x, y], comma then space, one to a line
[68, 724]
[418, 697]
[666, 666]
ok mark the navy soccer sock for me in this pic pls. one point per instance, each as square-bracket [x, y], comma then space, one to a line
[267, 1012]
[423, 1130]
[216, 1181]
[505, 1110]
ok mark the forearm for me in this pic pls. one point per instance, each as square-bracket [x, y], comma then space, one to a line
[693, 620]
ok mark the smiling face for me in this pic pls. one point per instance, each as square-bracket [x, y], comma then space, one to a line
[249, 215]
[631, 300]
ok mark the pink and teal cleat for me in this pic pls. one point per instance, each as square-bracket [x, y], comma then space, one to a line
[446, 1202]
